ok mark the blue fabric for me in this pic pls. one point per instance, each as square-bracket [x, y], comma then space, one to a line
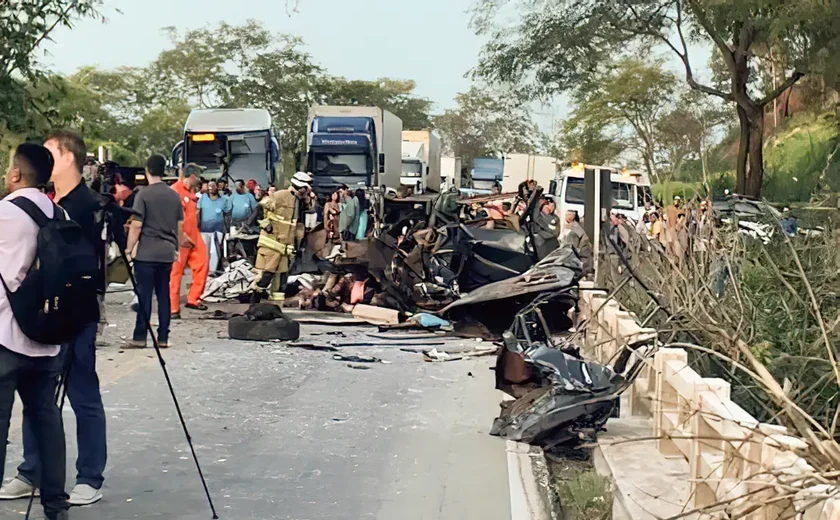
[79, 360]
[212, 214]
[241, 206]
[789, 226]
[361, 229]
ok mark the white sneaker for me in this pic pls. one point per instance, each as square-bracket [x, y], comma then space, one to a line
[84, 495]
[15, 489]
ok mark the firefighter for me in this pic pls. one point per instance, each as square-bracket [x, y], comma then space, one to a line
[278, 237]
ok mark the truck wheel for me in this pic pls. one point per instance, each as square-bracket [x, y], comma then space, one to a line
[282, 329]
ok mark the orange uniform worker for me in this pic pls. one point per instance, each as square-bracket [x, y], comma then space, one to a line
[193, 252]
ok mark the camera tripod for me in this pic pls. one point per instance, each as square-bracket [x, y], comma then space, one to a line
[110, 211]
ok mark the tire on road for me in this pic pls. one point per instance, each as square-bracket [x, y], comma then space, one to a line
[283, 329]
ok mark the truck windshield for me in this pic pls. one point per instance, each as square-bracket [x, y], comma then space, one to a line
[575, 192]
[412, 169]
[622, 195]
[336, 164]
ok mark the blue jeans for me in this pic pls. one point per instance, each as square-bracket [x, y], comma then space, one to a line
[79, 362]
[152, 278]
[35, 380]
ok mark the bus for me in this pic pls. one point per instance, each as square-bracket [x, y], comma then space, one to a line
[630, 190]
[240, 142]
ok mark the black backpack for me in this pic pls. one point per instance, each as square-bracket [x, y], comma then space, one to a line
[59, 294]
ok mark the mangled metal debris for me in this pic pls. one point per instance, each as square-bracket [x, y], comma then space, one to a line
[560, 397]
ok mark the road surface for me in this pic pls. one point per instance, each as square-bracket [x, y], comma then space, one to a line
[287, 433]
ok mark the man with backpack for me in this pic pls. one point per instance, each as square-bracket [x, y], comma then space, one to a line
[84, 207]
[26, 365]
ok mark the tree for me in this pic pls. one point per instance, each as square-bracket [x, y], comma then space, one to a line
[561, 44]
[24, 25]
[485, 123]
[394, 95]
[629, 97]
[286, 82]
[688, 131]
[582, 142]
[202, 61]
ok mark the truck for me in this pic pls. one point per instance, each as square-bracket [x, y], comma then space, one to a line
[450, 172]
[630, 190]
[421, 159]
[520, 167]
[487, 172]
[353, 145]
[239, 142]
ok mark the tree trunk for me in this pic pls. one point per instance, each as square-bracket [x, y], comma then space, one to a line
[743, 152]
[756, 173]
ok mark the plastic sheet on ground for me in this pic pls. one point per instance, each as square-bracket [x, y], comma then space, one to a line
[230, 284]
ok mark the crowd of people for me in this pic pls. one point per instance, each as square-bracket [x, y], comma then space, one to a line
[163, 230]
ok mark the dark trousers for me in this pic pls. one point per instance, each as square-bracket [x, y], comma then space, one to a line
[152, 277]
[36, 380]
[79, 364]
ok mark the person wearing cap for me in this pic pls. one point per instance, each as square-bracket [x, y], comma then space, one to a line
[193, 252]
[251, 185]
[673, 212]
[278, 230]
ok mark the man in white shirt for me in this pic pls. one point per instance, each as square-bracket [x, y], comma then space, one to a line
[27, 367]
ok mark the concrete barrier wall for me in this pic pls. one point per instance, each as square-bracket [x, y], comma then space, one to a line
[752, 470]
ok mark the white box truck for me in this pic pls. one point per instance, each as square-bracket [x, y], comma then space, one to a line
[353, 145]
[450, 171]
[421, 159]
[521, 167]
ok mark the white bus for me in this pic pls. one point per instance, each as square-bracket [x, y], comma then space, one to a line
[630, 190]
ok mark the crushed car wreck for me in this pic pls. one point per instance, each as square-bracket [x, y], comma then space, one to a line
[559, 396]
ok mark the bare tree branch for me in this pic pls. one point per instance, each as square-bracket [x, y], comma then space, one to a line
[791, 81]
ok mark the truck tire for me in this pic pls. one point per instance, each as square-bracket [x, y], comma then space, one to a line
[282, 329]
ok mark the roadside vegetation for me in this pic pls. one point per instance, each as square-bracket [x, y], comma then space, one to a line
[582, 493]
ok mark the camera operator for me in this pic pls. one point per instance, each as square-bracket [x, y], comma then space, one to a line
[85, 208]
[28, 367]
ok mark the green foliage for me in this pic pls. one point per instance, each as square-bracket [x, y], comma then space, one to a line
[586, 496]
[394, 95]
[623, 103]
[24, 25]
[562, 46]
[486, 123]
[796, 158]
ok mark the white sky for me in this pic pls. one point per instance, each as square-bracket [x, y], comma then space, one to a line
[429, 41]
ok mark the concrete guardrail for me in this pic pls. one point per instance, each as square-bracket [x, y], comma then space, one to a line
[735, 462]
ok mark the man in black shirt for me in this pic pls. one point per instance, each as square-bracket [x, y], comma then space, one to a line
[83, 206]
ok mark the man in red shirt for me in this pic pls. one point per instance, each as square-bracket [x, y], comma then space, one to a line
[193, 252]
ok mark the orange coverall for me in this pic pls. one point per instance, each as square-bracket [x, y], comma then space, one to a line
[196, 257]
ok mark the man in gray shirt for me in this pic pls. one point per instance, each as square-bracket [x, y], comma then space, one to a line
[153, 242]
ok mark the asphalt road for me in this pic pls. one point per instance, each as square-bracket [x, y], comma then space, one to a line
[291, 434]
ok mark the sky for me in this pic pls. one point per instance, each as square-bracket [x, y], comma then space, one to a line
[429, 41]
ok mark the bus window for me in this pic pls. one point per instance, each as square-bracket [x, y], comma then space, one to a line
[575, 191]
[643, 194]
[622, 195]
